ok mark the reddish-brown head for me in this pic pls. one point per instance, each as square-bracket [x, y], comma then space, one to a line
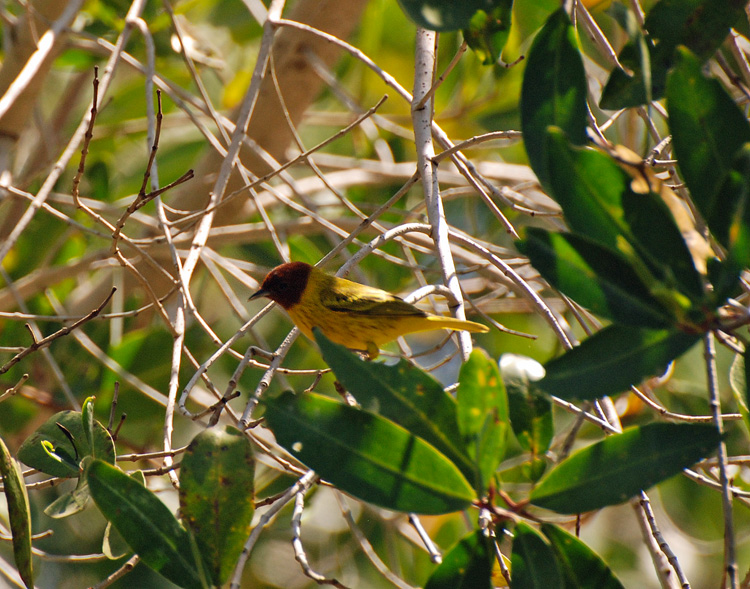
[285, 284]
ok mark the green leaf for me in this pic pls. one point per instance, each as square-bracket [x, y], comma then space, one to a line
[403, 393]
[18, 514]
[145, 523]
[738, 379]
[700, 25]
[488, 32]
[616, 468]
[482, 415]
[599, 202]
[533, 563]
[708, 129]
[366, 455]
[530, 415]
[612, 360]
[468, 565]
[736, 190]
[582, 568]
[71, 502]
[594, 276]
[553, 91]
[34, 455]
[445, 15]
[216, 496]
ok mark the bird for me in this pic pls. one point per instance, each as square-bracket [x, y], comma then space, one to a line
[359, 317]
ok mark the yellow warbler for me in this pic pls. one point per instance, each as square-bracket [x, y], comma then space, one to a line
[354, 315]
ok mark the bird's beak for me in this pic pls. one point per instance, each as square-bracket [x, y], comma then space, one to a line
[258, 294]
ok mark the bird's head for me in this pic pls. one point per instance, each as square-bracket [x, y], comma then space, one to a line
[285, 284]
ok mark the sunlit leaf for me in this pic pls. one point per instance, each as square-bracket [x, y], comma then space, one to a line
[403, 393]
[482, 414]
[616, 468]
[612, 360]
[366, 455]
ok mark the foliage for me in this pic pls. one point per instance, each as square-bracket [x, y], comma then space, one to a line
[628, 230]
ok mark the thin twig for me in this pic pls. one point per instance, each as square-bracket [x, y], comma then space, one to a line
[43, 343]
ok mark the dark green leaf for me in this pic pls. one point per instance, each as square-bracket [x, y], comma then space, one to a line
[533, 563]
[482, 414]
[445, 15]
[145, 523]
[18, 514]
[708, 129]
[619, 466]
[216, 496]
[700, 25]
[582, 568]
[530, 415]
[599, 202]
[366, 455]
[553, 92]
[488, 31]
[468, 565]
[34, 455]
[594, 276]
[736, 189]
[403, 393]
[612, 360]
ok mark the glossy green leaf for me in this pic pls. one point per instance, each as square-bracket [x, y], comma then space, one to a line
[700, 25]
[708, 129]
[582, 568]
[533, 563]
[553, 91]
[366, 455]
[468, 565]
[530, 415]
[482, 414]
[403, 393]
[445, 15]
[616, 468]
[612, 360]
[145, 523]
[599, 202]
[216, 496]
[34, 455]
[488, 32]
[19, 515]
[594, 276]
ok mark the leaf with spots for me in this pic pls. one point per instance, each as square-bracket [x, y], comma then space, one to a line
[216, 496]
[482, 415]
[618, 467]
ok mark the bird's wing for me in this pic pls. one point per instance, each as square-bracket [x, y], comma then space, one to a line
[365, 300]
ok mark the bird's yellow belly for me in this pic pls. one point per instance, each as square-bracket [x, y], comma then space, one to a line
[355, 331]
